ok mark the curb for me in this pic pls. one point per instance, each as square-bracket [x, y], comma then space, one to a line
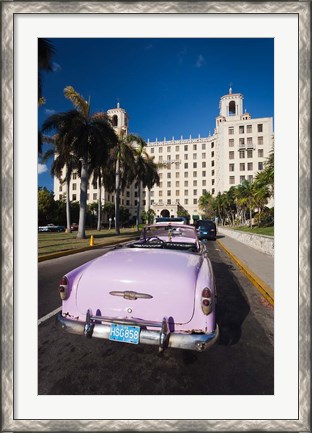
[80, 250]
[263, 288]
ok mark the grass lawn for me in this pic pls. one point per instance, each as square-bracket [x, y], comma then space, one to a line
[49, 243]
[268, 231]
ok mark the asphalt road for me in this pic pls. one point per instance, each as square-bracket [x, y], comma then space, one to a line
[241, 363]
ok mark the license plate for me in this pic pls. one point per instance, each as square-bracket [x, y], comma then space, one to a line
[125, 333]
[205, 233]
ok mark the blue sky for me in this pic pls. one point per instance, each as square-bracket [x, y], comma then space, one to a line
[169, 87]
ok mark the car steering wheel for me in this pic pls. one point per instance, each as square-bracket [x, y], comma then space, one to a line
[153, 239]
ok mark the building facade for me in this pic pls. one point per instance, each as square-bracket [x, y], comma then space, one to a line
[237, 150]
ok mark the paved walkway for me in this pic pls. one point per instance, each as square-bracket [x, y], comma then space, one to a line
[262, 265]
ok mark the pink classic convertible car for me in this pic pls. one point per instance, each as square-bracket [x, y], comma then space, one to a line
[159, 290]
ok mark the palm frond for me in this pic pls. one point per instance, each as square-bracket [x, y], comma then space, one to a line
[77, 100]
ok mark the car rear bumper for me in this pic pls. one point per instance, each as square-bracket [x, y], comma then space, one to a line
[162, 338]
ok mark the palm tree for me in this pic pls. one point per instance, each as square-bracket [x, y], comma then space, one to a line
[152, 178]
[248, 192]
[63, 158]
[205, 203]
[88, 136]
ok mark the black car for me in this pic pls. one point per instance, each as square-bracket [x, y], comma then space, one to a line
[206, 229]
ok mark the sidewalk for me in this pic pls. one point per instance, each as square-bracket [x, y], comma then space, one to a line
[257, 266]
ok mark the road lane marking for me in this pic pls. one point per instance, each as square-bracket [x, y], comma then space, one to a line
[48, 316]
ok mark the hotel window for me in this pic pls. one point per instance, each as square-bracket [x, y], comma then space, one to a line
[185, 148]
[260, 140]
[232, 180]
[136, 193]
[204, 182]
[186, 174]
[160, 158]
[160, 201]
[241, 129]
[169, 158]
[194, 191]
[231, 154]
[127, 202]
[177, 175]
[185, 165]
[204, 164]
[152, 150]
[194, 173]
[186, 192]
[260, 165]
[144, 202]
[212, 163]
[74, 197]
[212, 191]
[74, 186]
[260, 153]
[249, 140]
[74, 176]
[194, 164]
[194, 155]
[249, 166]
[160, 149]
[231, 142]
[185, 156]
[160, 184]
[128, 194]
[194, 182]
[177, 192]
[203, 155]
[212, 172]
[212, 144]
[203, 146]
[204, 173]
[194, 146]
[60, 188]
[250, 178]
[186, 183]
[176, 165]
[169, 193]
[241, 166]
[249, 129]
[177, 148]
[249, 153]
[152, 202]
[204, 191]
[177, 183]
[231, 130]
[168, 149]
[168, 184]
[242, 154]
[231, 167]
[95, 196]
[241, 141]
[260, 127]
[160, 175]
[168, 175]
[212, 154]
[195, 201]
[212, 182]
[186, 201]
[241, 179]
[160, 193]
[177, 157]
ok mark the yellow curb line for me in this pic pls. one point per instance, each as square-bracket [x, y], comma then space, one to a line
[80, 250]
[266, 291]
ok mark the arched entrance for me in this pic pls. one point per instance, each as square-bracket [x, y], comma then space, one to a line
[165, 213]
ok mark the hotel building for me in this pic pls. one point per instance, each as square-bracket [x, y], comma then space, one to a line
[237, 150]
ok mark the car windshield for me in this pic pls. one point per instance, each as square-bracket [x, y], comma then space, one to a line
[170, 231]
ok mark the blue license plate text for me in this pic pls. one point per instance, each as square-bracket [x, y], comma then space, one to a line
[125, 333]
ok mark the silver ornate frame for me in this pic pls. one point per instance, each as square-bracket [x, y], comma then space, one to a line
[302, 9]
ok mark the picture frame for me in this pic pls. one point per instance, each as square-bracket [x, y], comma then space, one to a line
[10, 234]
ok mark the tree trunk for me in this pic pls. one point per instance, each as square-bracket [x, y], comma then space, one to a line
[117, 197]
[68, 222]
[99, 204]
[149, 206]
[83, 200]
[138, 206]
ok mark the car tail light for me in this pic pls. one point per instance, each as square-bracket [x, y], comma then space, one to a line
[63, 288]
[206, 301]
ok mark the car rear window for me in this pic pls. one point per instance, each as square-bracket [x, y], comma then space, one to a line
[208, 224]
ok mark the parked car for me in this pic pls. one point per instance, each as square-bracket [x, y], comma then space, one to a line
[51, 228]
[158, 290]
[206, 229]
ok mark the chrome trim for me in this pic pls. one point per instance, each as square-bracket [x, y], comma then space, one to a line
[130, 295]
[178, 340]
